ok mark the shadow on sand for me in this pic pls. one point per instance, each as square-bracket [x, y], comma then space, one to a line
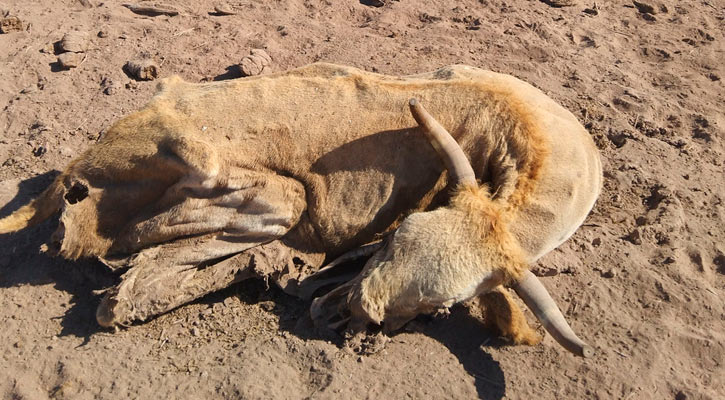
[21, 263]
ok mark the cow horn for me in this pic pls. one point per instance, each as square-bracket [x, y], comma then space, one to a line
[449, 151]
[537, 298]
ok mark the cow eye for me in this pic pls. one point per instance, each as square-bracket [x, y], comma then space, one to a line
[76, 193]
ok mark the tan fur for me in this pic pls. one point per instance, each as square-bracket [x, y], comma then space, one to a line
[326, 158]
[503, 315]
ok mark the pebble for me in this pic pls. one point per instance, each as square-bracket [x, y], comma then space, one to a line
[609, 274]
[40, 151]
[224, 9]
[561, 3]
[644, 8]
[76, 42]
[255, 63]
[152, 10]
[635, 237]
[142, 69]
[110, 87]
[373, 3]
[11, 24]
[70, 60]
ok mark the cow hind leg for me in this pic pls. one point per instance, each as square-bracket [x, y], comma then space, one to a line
[505, 316]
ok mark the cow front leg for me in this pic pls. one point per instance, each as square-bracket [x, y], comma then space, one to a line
[162, 278]
[149, 289]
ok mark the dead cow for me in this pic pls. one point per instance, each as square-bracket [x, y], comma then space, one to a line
[272, 175]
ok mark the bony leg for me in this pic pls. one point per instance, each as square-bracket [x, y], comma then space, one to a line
[148, 290]
[504, 315]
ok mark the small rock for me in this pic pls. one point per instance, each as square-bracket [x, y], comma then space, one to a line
[110, 87]
[372, 3]
[76, 42]
[680, 395]
[152, 10]
[102, 33]
[591, 11]
[223, 9]
[195, 331]
[617, 139]
[634, 237]
[86, 3]
[49, 48]
[644, 8]
[609, 274]
[70, 60]
[11, 24]
[560, 3]
[255, 63]
[143, 69]
[40, 151]
[263, 54]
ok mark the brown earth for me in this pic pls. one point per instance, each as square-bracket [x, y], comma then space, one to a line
[643, 280]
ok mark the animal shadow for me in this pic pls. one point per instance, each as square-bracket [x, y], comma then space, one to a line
[21, 263]
[465, 336]
[27, 190]
[232, 72]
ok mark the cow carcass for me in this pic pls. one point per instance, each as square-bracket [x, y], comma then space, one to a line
[273, 175]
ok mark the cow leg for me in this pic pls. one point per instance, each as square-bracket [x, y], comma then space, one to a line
[148, 289]
[504, 315]
[322, 277]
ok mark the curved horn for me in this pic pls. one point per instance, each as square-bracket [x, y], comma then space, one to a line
[537, 298]
[449, 151]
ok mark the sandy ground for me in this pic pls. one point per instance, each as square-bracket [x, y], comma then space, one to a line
[643, 280]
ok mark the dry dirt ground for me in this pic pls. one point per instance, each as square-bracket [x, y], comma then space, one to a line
[643, 280]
